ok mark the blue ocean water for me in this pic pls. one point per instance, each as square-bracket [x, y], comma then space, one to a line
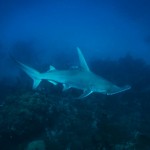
[114, 37]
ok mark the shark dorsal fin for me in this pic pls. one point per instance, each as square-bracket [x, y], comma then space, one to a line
[82, 60]
[51, 68]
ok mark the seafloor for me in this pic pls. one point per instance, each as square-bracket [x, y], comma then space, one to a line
[49, 119]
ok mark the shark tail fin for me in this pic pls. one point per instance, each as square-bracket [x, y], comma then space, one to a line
[34, 74]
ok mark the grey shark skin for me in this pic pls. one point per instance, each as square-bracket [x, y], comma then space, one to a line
[80, 78]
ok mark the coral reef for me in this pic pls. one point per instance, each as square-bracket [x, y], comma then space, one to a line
[36, 145]
[48, 119]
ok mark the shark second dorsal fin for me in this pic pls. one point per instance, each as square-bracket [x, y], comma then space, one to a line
[51, 68]
[82, 60]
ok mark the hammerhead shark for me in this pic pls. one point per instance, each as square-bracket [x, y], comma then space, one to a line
[79, 77]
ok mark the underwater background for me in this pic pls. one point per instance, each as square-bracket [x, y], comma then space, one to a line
[114, 37]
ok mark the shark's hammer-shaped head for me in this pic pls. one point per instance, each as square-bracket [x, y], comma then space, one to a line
[107, 88]
[115, 89]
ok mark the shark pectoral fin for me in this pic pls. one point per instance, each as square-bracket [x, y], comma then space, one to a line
[36, 82]
[53, 82]
[85, 94]
[66, 87]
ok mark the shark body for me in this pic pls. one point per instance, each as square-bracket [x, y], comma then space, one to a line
[80, 78]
